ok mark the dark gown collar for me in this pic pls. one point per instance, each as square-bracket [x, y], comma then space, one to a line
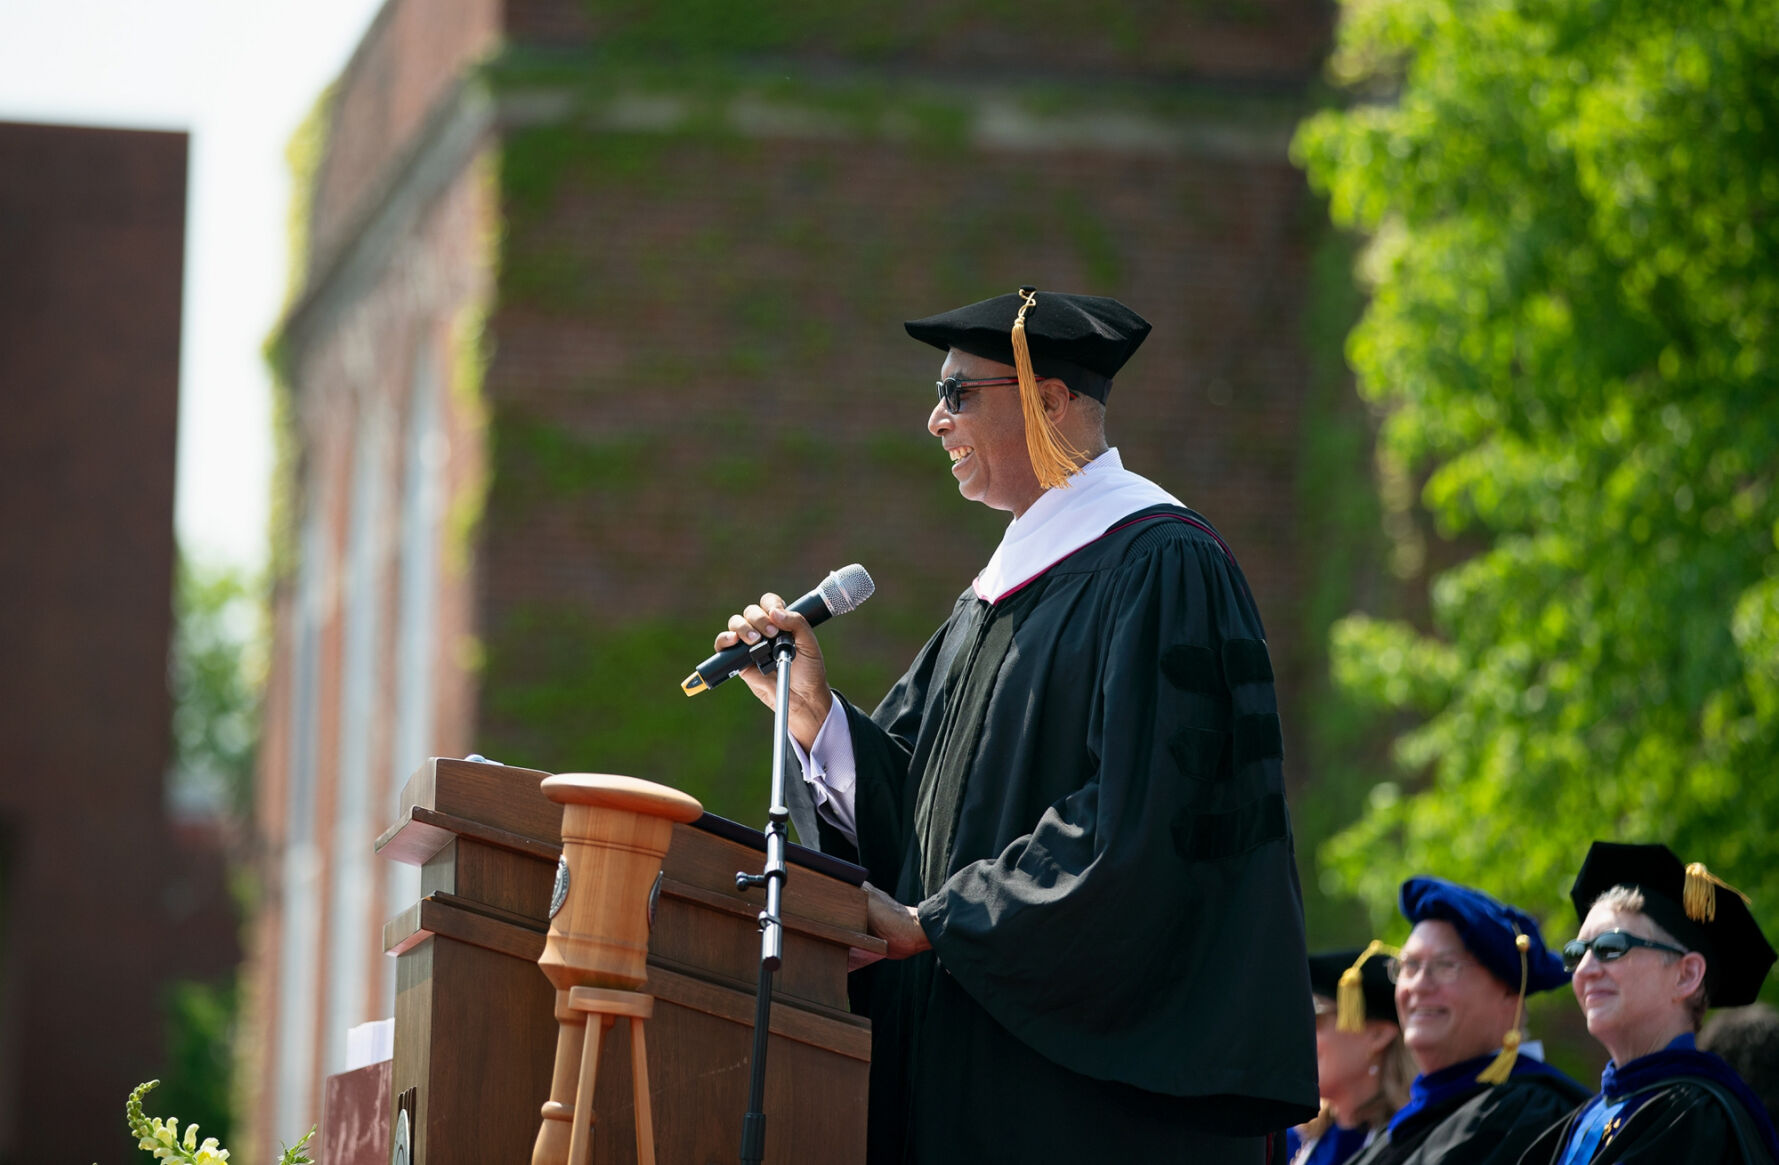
[1436, 1089]
[1680, 1059]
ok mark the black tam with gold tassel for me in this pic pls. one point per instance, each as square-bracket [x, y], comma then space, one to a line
[1081, 340]
[1695, 906]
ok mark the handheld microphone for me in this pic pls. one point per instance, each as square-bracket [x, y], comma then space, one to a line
[840, 592]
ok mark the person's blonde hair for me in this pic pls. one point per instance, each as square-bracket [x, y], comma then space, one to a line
[1395, 1072]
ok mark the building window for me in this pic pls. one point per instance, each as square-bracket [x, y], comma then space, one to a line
[300, 928]
[424, 450]
[352, 921]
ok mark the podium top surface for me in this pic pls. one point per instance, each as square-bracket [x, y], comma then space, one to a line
[511, 800]
[610, 791]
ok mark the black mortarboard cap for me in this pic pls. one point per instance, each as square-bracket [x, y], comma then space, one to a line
[1376, 989]
[1684, 900]
[1082, 340]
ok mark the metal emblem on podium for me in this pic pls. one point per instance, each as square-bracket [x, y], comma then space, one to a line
[560, 894]
[403, 1153]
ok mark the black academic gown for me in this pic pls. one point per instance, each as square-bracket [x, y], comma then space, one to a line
[1479, 1125]
[1682, 1107]
[1080, 788]
[1683, 1123]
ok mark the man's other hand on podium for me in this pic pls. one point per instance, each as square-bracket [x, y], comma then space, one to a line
[895, 924]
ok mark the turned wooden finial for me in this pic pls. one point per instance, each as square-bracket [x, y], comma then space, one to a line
[615, 831]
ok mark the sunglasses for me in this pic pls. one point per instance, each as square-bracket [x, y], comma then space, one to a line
[951, 389]
[1608, 947]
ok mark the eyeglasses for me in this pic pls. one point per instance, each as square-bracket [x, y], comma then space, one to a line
[1443, 970]
[951, 389]
[1608, 947]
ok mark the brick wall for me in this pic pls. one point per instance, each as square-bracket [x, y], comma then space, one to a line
[413, 55]
[101, 902]
[1244, 41]
[719, 323]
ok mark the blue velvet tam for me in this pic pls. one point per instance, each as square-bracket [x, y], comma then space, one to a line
[1488, 929]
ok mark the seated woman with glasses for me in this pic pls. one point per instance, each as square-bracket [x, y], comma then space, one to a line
[1659, 943]
[1362, 1069]
[1483, 1095]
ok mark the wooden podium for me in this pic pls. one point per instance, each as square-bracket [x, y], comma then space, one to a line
[475, 1031]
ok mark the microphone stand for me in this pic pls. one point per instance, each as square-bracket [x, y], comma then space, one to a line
[753, 1125]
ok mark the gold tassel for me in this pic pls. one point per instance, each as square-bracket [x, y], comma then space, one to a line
[1502, 1067]
[1053, 457]
[1349, 994]
[1349, 1013]
[1699, 896]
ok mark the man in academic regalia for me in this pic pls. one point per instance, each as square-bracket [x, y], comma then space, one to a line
[1659, 943]
[1074, 794]
[1484, 1093]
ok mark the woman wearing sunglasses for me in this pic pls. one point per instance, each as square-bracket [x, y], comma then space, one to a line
[1659, 943]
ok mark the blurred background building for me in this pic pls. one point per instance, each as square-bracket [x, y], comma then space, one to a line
[106, 899]
[597, 335]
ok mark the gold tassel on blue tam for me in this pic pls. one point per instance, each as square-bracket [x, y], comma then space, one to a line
[1502, 1067]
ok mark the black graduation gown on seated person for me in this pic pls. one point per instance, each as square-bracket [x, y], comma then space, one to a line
[1080, 786]
[1487, 1125]
[1682, 1122]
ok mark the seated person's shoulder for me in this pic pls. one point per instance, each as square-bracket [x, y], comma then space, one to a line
[1701, 1112]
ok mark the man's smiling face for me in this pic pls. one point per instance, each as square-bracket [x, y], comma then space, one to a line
[985, 438]
[1452, 1009]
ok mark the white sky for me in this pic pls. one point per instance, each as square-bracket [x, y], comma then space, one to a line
[237, 75]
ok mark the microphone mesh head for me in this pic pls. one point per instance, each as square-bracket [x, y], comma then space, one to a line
[846, 588]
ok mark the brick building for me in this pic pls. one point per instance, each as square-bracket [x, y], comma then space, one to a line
[598, 334]
[104, 901]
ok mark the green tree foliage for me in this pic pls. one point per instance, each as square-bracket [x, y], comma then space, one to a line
[199, 1062]
[216, 674]
[1574, 276]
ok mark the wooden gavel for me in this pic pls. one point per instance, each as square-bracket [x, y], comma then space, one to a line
[615, 831]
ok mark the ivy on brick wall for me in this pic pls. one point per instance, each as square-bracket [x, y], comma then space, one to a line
[588, 253]
[1136, 31]
[303, 154]
[1343, 524]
